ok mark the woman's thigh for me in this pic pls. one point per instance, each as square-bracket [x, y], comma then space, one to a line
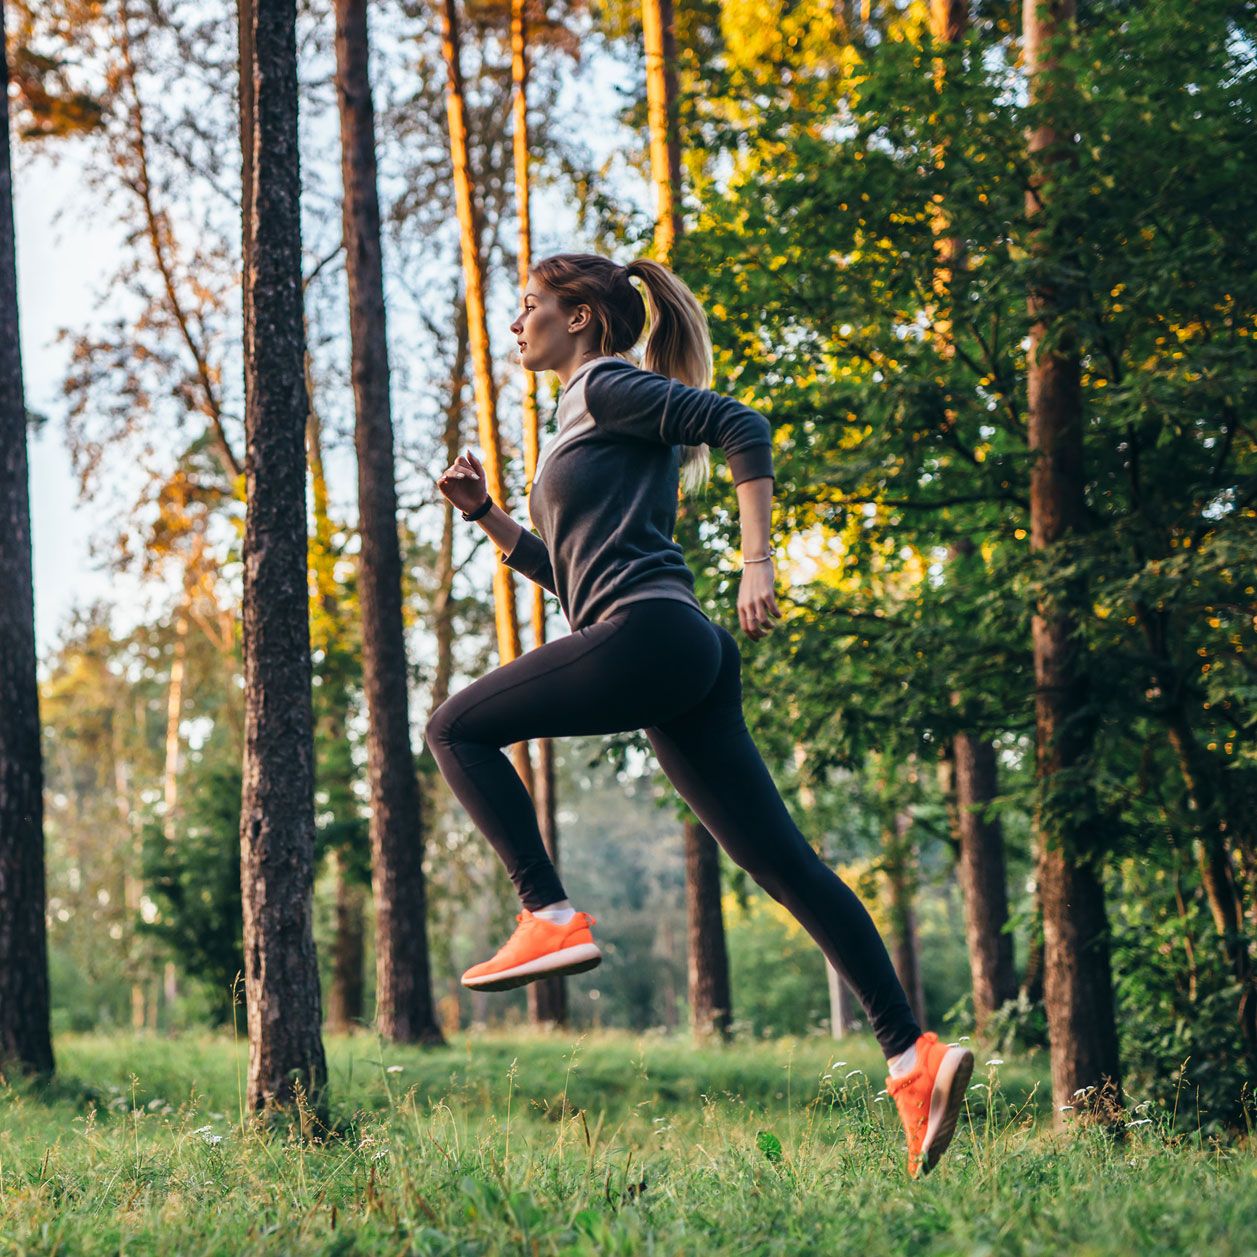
[646, 663]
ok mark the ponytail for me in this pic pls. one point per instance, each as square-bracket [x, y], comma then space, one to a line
[678, 341]
[678, 345]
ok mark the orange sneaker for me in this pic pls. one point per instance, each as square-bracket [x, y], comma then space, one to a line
[538, 949]
[929, 1097]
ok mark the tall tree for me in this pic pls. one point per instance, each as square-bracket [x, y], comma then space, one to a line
[708, 963]
[483, 384]
[659, 35]
[711, 1003]
[277, 800]
[547, 999]
[25, 1036]
[1078, 986]
[404, 1006]
[337, 648]
[980, 838]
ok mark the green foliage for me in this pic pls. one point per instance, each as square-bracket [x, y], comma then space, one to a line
[195, 882]
[1179, 1028]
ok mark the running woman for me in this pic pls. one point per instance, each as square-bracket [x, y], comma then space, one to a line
[642, 654]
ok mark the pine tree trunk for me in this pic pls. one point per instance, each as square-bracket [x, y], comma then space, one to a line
[405, 1009]
[547, 999]
[442, 605]
[345, 998]
[1078, 987]
[277, 805]
[25, 1037]
[711, 1005]
[478, 338]
[983, 882]
[658, 31]
[900, 865]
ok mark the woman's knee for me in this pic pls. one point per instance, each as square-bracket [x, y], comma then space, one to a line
[439, 731]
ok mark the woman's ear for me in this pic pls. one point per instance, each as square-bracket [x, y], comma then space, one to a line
[580, 319]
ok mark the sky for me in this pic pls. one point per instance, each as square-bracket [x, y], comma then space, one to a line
[56, 269]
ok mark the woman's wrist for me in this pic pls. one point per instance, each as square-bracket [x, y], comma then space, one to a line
[479, 512]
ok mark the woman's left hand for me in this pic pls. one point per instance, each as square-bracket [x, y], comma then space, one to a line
[757, 601]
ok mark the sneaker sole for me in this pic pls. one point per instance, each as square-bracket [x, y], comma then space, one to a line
[575, 959]
[946, 1097]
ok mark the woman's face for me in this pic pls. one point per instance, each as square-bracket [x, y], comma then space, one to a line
[546, 333]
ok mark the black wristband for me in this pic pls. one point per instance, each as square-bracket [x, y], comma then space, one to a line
[483, 509]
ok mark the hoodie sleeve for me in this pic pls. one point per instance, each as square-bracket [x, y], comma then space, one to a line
[625, 399]
[530, 556]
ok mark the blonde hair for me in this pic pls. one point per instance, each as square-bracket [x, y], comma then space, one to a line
[678, 343]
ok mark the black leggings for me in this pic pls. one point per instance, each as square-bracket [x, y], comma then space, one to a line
[663, 666]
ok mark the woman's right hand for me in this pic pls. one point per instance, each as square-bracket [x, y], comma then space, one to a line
[463, 482]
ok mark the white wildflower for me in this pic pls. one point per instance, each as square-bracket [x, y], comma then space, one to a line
[996, 1060]
[395, 1069]
[1143, 1121]
[208, 1136]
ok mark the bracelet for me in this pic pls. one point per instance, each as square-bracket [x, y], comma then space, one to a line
[483, 509]
[762, 559]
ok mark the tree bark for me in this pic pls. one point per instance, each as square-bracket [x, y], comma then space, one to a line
[442, 606]
[25, 1035]
[711, 1005]
[547, 999]
[901, 878]
[659, 36]
[405, 1009]
[507, 621]
[345, 998]
[277, 804]
[1078, 987]
[983, 881]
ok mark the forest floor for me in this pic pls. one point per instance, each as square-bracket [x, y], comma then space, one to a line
[584, 1142]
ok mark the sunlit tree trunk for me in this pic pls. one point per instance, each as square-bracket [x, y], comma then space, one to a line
[25, 1037]
[277, 804]
[1078, 987]
[547, 999]
[478, 339]
[405, 1009]
[442, 609]
[659, 36]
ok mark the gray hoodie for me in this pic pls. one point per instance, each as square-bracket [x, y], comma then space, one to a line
[604, 495]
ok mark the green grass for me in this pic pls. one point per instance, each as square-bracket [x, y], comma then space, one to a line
[598, 1143]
